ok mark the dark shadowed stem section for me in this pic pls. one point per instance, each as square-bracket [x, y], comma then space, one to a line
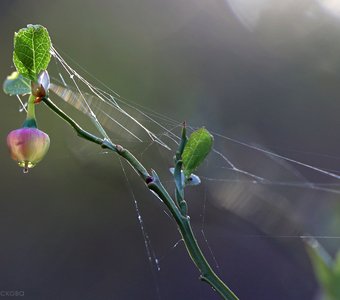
[153, 183]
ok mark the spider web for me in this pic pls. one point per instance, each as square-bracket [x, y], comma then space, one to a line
[249, 180]
[107, 109]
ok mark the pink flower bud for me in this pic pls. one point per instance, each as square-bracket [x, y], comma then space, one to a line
[28, 146]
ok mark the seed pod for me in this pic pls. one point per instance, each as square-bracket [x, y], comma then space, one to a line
[28, 146]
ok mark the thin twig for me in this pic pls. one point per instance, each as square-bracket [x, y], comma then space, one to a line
[154, 184]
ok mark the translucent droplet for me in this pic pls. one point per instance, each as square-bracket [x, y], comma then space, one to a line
[25, 170]
[26, 165]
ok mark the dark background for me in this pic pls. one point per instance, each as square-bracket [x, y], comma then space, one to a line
[263, 72]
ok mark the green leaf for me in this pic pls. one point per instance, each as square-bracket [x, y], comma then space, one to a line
[196, 149]
[16, 84]
[31, 51]
[336, 266]
[326, 269]
[321, 262]
[334, 287]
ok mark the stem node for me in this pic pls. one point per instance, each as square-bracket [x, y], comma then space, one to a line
[148, 180]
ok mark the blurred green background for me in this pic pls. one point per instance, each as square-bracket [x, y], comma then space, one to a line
[262, 72]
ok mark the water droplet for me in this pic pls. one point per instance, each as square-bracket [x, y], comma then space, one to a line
[25, 170]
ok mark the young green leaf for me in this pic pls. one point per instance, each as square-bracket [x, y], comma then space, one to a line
[334, 290]
[31, 51]
[326, 269]
[16, 84]
[321, 262]
[196, 149]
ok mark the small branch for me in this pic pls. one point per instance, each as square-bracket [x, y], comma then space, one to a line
[155, 185]
[104, 143]
[183, 222]
[80, 131]
[134, 162]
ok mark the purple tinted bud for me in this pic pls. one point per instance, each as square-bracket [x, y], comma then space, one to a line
[44, 80]
[28, 146]
[40, 88]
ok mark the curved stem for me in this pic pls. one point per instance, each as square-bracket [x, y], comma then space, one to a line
[183, 222]
[154, 184]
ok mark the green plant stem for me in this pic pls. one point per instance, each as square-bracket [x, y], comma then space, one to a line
[183, 222]
[154, 184]
[30, 121]
[30, 108]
